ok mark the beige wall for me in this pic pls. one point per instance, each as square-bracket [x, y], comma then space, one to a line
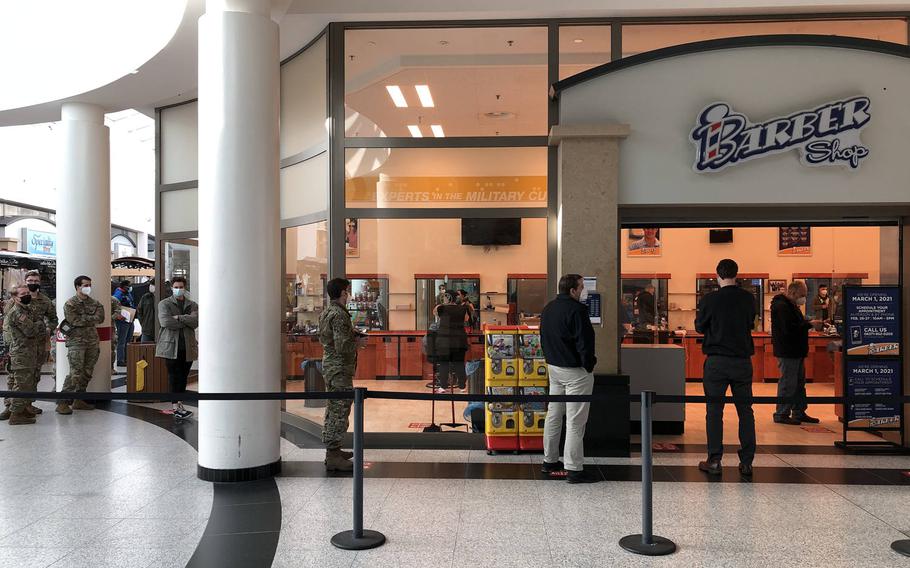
[404, 247]
[686, 252]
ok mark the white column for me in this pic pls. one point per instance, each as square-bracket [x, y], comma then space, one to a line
[239, 234]
[142, 245]
[84, 224]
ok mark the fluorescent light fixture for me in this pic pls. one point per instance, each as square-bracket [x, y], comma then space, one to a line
[423, 92]
[415, 131]
[397, 95]
[437, 130]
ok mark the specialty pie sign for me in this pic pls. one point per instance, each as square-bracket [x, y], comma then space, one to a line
[828, 135]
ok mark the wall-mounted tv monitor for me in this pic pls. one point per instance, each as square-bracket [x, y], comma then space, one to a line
[719, 236]
[490, 232]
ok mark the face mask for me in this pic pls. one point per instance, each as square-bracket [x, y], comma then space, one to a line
[801, 301]
[87, 290]
[152, 288]
[130, 289]
[34, 287]
[583, 297]
[26, 300]
[179, 292]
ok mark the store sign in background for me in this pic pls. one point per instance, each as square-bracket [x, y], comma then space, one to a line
[868, 377]
[794, 241]
[39, 242]
[500, 189]
[872, 320]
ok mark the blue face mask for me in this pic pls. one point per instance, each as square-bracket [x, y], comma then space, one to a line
[179, 292]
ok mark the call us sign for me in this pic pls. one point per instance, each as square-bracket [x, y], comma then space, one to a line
[872, 320]
[827, 135]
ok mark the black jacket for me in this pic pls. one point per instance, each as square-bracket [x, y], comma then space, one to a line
[566, 334]
[727, 317]
[789, 329]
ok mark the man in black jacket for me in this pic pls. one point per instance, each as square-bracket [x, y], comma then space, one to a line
[790, 337]
[567, 338]
[726, 318]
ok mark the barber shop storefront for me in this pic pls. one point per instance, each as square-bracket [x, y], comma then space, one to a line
[490, 157]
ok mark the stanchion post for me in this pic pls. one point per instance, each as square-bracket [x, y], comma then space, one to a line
[646, 543]
[901, 546]
[358, 538]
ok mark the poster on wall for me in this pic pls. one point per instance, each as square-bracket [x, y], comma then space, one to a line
[872, 320]
[865, 377]
[794, 241]
[39, 242]
[644, 242]
[352, 238]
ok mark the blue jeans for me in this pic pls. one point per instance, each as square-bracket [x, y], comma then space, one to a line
[124, 336]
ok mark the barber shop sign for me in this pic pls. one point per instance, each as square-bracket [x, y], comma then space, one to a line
[828, 135]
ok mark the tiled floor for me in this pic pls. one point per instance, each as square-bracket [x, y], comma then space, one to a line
[104, 489]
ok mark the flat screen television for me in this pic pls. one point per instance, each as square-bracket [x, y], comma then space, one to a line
[716, 236]
[490, 232]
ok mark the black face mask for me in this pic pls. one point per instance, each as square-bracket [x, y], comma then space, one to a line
[26, 300]
[34, 287]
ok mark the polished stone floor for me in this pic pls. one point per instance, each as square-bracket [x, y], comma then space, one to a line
[117, 488]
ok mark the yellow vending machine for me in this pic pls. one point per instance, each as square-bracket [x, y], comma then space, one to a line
[532, 380]
[502, 369]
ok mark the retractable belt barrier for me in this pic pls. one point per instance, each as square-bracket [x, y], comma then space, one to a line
[646, 543]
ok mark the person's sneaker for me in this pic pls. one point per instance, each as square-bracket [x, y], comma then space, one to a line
[440, 390]
[548, 468]
[5, 414]
[786, 420]
[807, 419]
[21, 417]
[711, 467]
[182, 414]
[34, 409]
[82, 405]
[582, 476]
[64, 408]
[745, 469]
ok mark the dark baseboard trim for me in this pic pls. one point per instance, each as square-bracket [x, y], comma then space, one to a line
[238, 475]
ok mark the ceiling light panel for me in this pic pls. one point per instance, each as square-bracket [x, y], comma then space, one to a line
[423, 93]
[397, 96]
[415, 131]
[437, 130]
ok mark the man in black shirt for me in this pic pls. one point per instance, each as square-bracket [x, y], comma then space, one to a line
[726, 318]
[647, 309]
[790, 338]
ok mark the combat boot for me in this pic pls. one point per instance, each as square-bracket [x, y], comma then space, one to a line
[346, 454]
[82, 405]
[34, 409]
[21, 417]
[64, 408]
[5, 414]
[335, 461]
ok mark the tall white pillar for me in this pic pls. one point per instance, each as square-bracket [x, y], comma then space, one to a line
[142, 245]
[84, 224]
[239, 239]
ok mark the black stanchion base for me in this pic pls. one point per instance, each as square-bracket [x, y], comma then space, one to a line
[659, 547]
[346, 541]
[901, 546]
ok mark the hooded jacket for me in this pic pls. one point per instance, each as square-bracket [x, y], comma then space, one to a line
[789, 329]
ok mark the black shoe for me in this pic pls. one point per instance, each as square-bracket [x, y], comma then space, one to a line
[745, 470]
[786, 420]
[182, 414]
[711, 467]
[552, 467]
[582, 477]
[808, 419]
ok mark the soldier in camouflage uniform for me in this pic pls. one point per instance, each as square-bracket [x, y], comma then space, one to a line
[82, 313]
[21, 328]
[44, 309]
[339, 361]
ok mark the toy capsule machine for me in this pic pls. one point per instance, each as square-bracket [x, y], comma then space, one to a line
[532, 380]
[501, 378]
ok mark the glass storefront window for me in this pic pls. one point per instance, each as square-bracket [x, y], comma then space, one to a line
[303, 100]
[446, 82]
[648, 37]
[581, 48]
[181, 259]
[446, 177]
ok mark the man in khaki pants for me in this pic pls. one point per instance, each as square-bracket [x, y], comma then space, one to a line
[567, 338]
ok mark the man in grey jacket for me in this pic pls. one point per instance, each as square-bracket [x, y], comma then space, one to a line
[178, 317]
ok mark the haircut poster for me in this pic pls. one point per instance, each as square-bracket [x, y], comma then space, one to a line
[794, 241]
[351, 238]
[872, 320]
[644, 242]
[880, 378]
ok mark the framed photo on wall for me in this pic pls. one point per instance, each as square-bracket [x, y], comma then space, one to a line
[352, 238]
[777, 286]
[644, 242]
[794, 241]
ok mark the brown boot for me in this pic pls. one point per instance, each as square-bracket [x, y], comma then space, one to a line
[5, 414]
[21, 417]
[335, 461]
[64, 408]
[82, 405]
[34, 409]
[346, 454]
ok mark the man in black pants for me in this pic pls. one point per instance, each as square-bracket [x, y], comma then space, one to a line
[726, 318]
[178, 317]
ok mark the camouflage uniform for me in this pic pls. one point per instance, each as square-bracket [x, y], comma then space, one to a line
[339, 361]
[82, 343]
[46, 314]
[115, 309]
[21, 328]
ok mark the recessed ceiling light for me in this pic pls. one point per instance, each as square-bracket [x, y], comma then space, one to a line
[423, 93]
[415, 131]
[371, 43]
[397, 95]
[578, 40]
[443, 42]
[499, 115]
[437, 130]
